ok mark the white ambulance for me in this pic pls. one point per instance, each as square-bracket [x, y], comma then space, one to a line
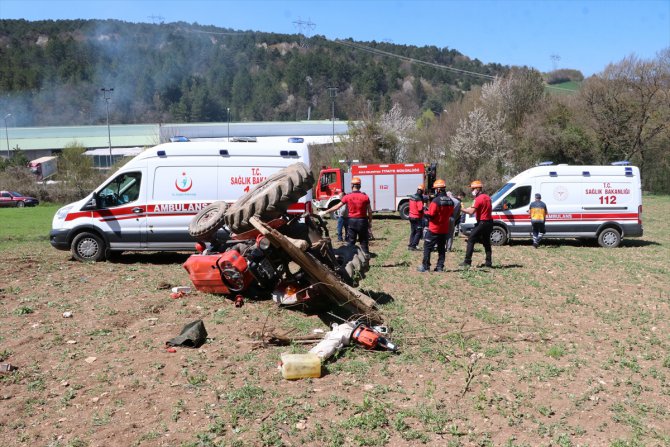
[148, 204]
[601, 202]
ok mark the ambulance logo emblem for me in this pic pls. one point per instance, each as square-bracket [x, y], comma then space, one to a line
[560, 193]
[183, 183]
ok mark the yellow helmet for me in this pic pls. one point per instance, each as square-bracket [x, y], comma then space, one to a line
[439, 184]
[421, 187]
[476, 184]
[355, 181]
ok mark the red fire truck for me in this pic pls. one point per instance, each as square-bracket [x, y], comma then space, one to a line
[388, 185]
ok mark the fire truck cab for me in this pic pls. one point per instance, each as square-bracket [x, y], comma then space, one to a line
[388, 185]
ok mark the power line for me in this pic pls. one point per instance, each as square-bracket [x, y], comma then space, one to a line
[412, 60]
[430, 64]
[219, 33]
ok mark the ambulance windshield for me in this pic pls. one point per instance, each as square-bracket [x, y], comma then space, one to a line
[501, 192]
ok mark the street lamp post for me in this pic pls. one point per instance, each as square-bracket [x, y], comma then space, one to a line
[7, 134]
[228, 117]
[332, 92]
[107, 95]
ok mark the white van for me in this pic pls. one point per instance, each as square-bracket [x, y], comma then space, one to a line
[603, 202]
[149, 202]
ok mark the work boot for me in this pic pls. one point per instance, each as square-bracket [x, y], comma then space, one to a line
[422, 269]
[439, 269]
[464, 264]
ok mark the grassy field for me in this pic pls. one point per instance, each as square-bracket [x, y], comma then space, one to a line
[563, 346]
[569, 87]
[26, 224]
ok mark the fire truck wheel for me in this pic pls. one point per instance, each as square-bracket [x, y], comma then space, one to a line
[270, 198]
[88, 247]
[404, 211]
[206, 223]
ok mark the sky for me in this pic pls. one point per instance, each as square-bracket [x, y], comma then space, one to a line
[585, 35]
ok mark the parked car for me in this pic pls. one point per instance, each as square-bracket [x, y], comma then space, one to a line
[13, 198]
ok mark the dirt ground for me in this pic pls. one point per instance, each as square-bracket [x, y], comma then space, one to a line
[565, 345]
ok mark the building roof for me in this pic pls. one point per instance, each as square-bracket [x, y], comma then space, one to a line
[146, 135]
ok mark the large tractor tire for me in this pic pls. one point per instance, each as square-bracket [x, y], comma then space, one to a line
[354, 261]
[207, 222]
[270, 198]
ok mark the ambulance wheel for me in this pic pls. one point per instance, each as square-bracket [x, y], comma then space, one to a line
[88, 247]
[609, 238]
[498, 236]
[207, 222]
[404, 211]
[270, 198]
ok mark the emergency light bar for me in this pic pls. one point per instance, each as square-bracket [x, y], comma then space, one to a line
[621, 163]
[545, 163]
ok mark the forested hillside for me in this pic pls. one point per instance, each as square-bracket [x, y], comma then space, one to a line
[52, 73]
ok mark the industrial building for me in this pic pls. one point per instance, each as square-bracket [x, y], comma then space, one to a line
[117, 141]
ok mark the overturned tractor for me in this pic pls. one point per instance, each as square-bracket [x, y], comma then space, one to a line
[254, 248]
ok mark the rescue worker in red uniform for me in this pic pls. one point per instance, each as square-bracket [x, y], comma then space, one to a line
[360, 215]
[482, 230]
[416, 204]
[439, 213]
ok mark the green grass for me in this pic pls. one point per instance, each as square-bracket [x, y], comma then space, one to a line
[563, 88]
[26, 224]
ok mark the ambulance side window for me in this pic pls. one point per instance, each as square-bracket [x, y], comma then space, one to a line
[518, 198]
[123, 189]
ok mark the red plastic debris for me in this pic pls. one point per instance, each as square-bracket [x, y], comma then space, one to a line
[177, 295]
[239, 301]
[171, 350]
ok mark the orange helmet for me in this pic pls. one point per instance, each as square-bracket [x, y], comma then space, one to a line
[476, 184]
[355, 181]
[420, 187]
[439, 184]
